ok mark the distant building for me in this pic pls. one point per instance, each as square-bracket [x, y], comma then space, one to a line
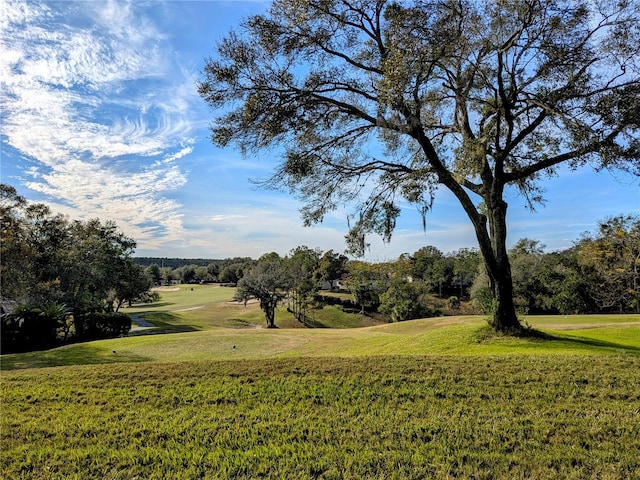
[336, 284]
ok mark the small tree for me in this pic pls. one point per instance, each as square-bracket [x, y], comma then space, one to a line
[528, 268]
[465, 267]
[134, 284]
[402, 301]
[268, 282]
[365, 283]
[331, 266]
[430, 265]
[301, 265]
[153, 272]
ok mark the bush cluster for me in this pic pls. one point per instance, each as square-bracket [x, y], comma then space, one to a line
[35, 328]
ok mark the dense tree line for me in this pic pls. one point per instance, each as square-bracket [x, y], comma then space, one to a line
[228, 271]
[62, 279]
[65, 280]
[214, 265]
[599, 273]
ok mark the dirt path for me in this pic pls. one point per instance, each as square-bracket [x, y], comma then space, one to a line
[142, 323]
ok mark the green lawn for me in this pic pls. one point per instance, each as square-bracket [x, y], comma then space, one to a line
[196, 307]
[375, 417]
[183, 297]
[184, 308]
[442, 335]
[433, 398]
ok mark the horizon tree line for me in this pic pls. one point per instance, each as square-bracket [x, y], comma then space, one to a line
[61, 278]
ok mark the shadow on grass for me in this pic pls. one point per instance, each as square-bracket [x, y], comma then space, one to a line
[152, 305]
[312, 323]
[75, 354]
[566, 340]
[164, 322]
[585, 341]
[164, 330]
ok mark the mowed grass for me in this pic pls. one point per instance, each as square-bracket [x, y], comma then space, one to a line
[184, 308]
[434, 336]
[183, 297]
[375, 417]
[434, 398]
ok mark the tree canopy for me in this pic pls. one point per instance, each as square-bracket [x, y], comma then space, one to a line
[53, 269]
[375, 103]
[267, 281]
[614, 256]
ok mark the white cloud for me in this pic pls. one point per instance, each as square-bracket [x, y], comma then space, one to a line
[225, 218]
[83, 93]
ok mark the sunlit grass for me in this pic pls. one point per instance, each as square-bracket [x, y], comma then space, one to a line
[443, 335]
[434, 398]
[184, 308]
[391, 417]
[182, 297]
[570, 321]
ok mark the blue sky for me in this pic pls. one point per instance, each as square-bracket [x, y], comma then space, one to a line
[101, 118]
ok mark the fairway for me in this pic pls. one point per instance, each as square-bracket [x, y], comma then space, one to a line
[380, 417]
[438, 398]
[185, 308]
[434, 336]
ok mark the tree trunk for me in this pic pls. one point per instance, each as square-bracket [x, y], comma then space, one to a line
[270, 317]
[493, 243]
[504, 314]
[270, 312]
[498, 268]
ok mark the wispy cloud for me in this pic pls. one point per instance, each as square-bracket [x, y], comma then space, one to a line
[84, 97]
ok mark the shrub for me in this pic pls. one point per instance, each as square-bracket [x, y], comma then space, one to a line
[28, 327]
[102, 325]
[453, 303]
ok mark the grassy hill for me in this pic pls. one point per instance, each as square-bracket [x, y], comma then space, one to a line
[442, 335]
[220, 398]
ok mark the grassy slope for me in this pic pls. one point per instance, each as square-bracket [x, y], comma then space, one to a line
[211, 325]
[444, 335]
[391, 417]
[202, 307]
[433, 398]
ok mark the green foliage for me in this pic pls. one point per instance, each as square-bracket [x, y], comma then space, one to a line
[301, 266]
[366, 282]
[403, 301]
[453, 302]
[331, 266]
[102, 325]
[30, 327]
[474, 96]
[153, 272]
[374, 417]
[614, 256]
[49, 261]
[430, 265]
[527, 267]
[465, 267]
[483, 299]
[268, 282]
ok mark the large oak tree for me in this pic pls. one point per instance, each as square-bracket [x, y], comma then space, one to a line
[376, 102]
